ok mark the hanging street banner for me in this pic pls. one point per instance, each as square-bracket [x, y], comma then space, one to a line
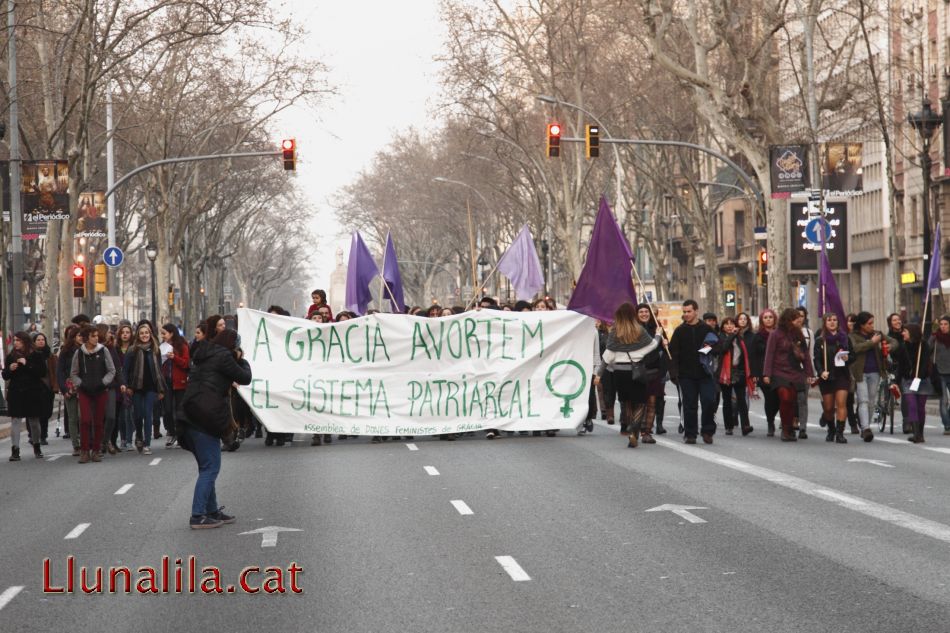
[841, 170]
[44, 195]
[393, 374]
[807, 224]
[92, 215]
[788, 167]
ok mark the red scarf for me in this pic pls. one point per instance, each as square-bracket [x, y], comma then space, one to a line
[725, 371]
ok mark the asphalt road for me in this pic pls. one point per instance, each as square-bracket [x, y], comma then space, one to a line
[517, 534]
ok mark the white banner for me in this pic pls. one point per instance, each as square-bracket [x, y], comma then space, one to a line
[390, 374]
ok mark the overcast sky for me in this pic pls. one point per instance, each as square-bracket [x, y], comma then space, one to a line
[380, 56]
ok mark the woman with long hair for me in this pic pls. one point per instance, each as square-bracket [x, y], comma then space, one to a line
[124, 417]
[735, 377]
[91, 374]
[25, 369]
[41, 345]
[107, 340]
[767, 322]
[787, 367]
[142, 375]
[869, 362]
[656, 389]
[833, 356]
[632, 357]
[217, 365]
[71, 343]
[914, 368]
[175, 367]
[940, 344]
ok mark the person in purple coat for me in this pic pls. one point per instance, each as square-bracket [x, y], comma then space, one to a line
[787, 367]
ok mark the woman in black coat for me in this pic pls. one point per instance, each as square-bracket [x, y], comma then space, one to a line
[208, 419]
[27, 394]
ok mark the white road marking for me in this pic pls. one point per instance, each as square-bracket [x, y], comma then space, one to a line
[912, 522]
[155, 461]
[124, 489]
[269, 534]
[682, 512]
[77, 531]
[510, 565]
[462, 507]
[894, 440]
[876, 462]
[55, 456]
[9, 595]
[412, 447]
[431, 470]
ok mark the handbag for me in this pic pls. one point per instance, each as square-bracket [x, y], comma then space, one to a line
[925, 388]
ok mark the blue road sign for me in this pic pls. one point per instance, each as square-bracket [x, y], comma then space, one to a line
[813, 228]
[113, 256]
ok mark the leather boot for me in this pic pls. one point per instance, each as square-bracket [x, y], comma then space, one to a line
[839, 432]
[831, 429]
[920, 432]
[37, 451]
[788, 433]
[771, 431]
[316, 440]
[660, 408]
[625, 421]
[14, 453]
[83, 457]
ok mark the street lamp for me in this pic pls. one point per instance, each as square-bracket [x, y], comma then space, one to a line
[926, 122]
[151, 251]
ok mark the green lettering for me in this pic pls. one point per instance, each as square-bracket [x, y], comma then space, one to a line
[470, 325]
[287, 346]
[347, 339]
[415, 392]
[418, 341]
[504, 340]
[301, 385]
[526, 333]
[314, 336]
[381, 395]
[378, 342]
[335, 341]
[265, 341]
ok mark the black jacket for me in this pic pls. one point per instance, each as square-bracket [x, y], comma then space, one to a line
[684, 348]
[907, 363]
[757, 353]
[819, 357]
[27, 394]
[205, 403]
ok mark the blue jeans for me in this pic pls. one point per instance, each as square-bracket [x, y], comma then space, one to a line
[126, 423]
[696, 391]
[143, 403]
[207, 452]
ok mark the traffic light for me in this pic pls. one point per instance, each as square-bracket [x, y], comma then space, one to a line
[592, 141]
[79, 281]
[101, 278]
[763, 278]
[554, 140]
[289, 149]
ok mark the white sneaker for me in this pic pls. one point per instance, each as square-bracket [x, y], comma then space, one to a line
[146, 451]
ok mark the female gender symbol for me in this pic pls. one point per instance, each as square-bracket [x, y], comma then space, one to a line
[567, 409]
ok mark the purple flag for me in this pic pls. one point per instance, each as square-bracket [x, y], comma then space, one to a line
[392, 277]
[520, 264]
[933, 277]
[605, 281]
[360, 272]
[829, 300]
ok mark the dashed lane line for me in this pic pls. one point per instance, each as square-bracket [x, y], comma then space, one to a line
[9, 595]
[462, 507]
[412, 447]
[510, 565]
[906, 520]
[431, 470]
[124, 489]
[77, 531]
[155, 462]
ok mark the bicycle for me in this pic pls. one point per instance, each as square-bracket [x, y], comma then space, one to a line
[886, 402]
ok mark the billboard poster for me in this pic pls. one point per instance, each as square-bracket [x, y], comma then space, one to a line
[44, 195]
[807, 223]
[841, 169]
[788, 166]
[92, 215]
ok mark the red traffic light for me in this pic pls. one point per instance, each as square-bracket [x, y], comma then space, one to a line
[289, 150]
[554, 140]
[288, 144]
[764, 257]
[554, 129]
[78, 271]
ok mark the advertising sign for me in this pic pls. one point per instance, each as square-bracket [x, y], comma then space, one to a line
[807, 223]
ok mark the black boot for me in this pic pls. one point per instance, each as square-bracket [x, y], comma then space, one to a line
[37, 451]
[660, 413]
[14, 453]
[771, 430]
[831, 429]
[839, 432]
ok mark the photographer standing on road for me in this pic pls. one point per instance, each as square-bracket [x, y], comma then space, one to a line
[217, 365]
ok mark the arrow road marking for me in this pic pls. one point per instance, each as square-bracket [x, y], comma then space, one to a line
[9, 595]
[681, 511]
[77, 531]
[55, 456]
[871, 461]
[155, 462]
[269, 534]
[510, 565]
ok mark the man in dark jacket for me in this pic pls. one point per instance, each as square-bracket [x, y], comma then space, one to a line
[696, 384]
[208, 419]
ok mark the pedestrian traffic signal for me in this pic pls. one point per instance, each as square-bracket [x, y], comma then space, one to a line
[592, 141]
[79, 281]
[763, 278]
[554, 140]
[101, 278]
[289, 148]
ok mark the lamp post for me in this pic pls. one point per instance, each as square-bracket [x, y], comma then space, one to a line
[926, 122]
[151, 251]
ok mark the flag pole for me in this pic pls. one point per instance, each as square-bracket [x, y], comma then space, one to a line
[475, 292]
[920, 345]
[471, 239]
[824, 307]
[383, 284]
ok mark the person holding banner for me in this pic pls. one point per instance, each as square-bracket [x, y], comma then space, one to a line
[832, 358]
[632, 357]
[940, 344]
[914, 370]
